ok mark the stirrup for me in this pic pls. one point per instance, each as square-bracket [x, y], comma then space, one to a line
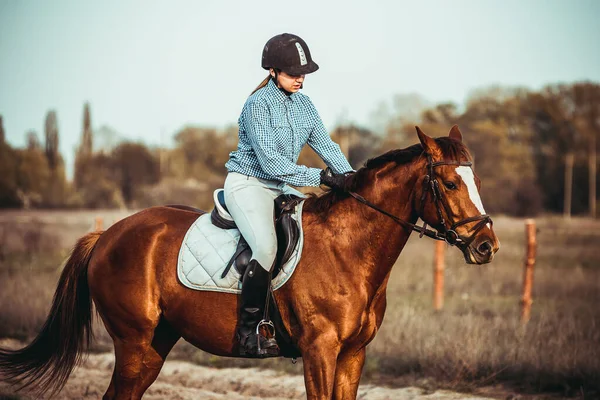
[270, 329]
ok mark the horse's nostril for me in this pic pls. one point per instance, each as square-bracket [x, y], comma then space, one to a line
[485, 248]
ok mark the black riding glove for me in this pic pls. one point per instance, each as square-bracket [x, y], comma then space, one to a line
[333, 180]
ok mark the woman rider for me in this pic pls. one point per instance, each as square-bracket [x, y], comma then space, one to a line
[275, 123]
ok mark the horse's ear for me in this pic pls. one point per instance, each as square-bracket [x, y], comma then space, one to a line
[455, 133]
[429, 145]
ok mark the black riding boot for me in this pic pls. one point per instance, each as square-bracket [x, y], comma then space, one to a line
[255, 286]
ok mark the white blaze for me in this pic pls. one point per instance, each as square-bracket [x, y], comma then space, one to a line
[466, 173]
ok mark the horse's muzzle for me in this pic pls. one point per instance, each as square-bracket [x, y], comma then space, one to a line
[481, 250]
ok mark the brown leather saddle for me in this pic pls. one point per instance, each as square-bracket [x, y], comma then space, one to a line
[286, 227]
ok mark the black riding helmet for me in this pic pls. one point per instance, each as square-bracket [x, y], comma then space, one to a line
[288, 53]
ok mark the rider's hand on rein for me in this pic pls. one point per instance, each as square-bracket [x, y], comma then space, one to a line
[333, 180]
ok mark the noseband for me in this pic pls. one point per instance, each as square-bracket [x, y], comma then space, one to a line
[431, 185]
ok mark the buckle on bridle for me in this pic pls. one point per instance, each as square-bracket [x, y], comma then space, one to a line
[451, 237]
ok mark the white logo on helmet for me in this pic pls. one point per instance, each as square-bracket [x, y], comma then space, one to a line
[301, 54]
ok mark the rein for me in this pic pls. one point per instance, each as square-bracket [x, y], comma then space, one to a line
[450, 236]
[422, 230]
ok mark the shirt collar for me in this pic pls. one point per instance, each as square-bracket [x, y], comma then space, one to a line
[278, 93]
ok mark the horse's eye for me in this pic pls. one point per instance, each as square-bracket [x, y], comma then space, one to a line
[450, 185]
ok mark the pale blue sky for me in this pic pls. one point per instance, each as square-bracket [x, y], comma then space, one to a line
[149, 66]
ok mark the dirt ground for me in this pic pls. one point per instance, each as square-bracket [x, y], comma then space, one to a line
[180, 380]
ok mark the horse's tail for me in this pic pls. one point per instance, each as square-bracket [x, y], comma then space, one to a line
[47, 362]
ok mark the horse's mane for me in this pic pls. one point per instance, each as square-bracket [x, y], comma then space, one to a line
[319, 204]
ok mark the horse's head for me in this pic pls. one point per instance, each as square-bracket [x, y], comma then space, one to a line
[449, 198]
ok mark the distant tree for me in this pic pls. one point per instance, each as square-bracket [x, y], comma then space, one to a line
[99, 186]
[587, 97]
[86, 146]
[499, 136]
[57, 189]
[444, 113]
[193, 168]
[33, 141]
[134, 166]
[103, 194]
[33, 176]
[560, 145]
[51, 131]
[201, 153]
[8, 177]
[8, 172]
[505, 167]
[83, 155]
[2, 135]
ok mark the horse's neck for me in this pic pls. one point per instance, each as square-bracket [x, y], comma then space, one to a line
[373, 239]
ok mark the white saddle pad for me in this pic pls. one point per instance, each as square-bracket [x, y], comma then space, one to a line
[206, 250]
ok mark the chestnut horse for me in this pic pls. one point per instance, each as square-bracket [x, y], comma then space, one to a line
[332, 306]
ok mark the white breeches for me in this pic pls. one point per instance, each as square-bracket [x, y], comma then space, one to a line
[250, 203]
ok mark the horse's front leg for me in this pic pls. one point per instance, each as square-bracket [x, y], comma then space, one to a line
[319, 357]
[347, 373]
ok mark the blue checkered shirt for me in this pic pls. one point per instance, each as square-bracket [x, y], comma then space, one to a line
[273, 129]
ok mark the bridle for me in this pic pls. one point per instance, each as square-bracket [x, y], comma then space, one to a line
[431, 185]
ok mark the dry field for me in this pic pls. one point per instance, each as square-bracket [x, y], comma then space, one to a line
[183, 380]
[474, 343]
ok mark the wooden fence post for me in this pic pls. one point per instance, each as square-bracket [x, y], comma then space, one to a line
[99, 223]
[528, 270]
[438, 275]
